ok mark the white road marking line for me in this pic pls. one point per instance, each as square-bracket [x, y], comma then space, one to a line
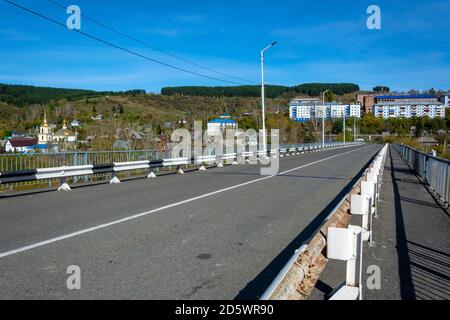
[140, 215]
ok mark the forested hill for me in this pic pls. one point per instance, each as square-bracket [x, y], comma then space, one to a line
[311, 89]
[20, 95]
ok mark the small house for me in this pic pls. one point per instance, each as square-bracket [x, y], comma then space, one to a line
[427, 141]
[19, 144]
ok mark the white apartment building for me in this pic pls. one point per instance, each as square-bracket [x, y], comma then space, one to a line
[302, 110]
[409, 111]
[408, 107]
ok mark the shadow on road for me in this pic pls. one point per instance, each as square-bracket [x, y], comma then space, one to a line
[404, 265]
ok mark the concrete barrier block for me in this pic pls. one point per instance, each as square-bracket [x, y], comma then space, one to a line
[64, 187]
[114, 180]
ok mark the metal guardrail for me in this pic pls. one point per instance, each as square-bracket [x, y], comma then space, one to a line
[27, 161]
[433, 171]
[62, 173]
[32, 161]
[298, 277]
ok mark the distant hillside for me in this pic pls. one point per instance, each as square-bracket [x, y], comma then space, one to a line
[239, 91]
[312, 89]
[20, 95]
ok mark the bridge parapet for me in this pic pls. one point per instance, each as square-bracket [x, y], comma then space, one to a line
[334, 239]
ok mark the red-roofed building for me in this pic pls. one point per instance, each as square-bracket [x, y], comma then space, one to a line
[19, 144]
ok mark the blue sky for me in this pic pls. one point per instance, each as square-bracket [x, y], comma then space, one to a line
[319, 41]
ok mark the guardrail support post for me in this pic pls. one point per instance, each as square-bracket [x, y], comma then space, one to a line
[347, 245]
[369, 188]
[361, 205]
[114, 179]
[64, 186]
[179, 170]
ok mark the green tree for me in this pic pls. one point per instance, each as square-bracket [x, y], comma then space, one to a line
[382, 89]
[329, 96]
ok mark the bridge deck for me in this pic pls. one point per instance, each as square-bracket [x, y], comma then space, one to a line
[213, 246]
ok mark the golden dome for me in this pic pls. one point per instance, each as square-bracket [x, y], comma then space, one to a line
[45, 124]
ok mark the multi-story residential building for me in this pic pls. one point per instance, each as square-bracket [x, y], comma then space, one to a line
[444, 99]
[408, 106]
[302, 110]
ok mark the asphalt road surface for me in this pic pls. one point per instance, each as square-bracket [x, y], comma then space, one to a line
[220, 234]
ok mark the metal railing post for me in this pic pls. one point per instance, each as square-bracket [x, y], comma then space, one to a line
[85, 162]
[447, 187]
[75, 163]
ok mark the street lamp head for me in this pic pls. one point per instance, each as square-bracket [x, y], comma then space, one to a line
[270, 46]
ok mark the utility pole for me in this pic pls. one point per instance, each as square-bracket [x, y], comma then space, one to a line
[323, 117]
[344, 126]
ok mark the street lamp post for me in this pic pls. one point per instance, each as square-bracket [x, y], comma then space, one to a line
[344, 127]
[263, 96]
[323, 117]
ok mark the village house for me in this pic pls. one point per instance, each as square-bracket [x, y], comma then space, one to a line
[20, 144]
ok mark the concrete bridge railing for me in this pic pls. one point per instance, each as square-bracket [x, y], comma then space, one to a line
[335, 239]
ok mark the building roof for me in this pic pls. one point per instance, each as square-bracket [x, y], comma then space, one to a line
[394, 104]
[427, 140]
[39, 146]
[64, 133]
[416, 96]
[228, 121]
[120, 144]
[22, 142]
[305, 99]
[137, 135]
